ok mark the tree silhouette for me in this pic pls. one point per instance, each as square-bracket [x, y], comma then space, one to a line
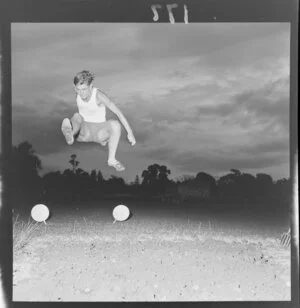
[155, 173]
[100, 178]
[93, 176]
[206, 181]
[25, 158]
[194, 188]
[155, 178]
[233, 188]
[264, 187]
[25, 166]
[226, 185]
[283, 192]
[80, 172]
[115, 185]
[163, 173]
[68, 173]
[236, 172]
[150, 175]
[53, 186]
[74, 162]
[264, 179]
[185, 178]
[246, 187]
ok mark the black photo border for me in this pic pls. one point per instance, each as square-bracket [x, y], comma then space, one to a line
[139, 11]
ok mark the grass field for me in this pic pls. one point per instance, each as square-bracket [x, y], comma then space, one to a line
[162, 253]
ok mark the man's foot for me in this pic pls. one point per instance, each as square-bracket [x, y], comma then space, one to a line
[117, 165]
[66, 128]
[103, 143]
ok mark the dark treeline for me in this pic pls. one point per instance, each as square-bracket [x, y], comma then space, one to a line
[75, 184]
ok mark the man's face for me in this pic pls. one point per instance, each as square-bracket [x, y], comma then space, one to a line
[83, 90]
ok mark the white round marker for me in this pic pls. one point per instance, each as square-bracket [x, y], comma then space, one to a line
[121, 212]
[40, 212]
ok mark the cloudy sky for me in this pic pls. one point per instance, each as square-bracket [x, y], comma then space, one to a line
[199, 97]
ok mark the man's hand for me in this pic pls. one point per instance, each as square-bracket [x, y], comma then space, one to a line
[131, 139]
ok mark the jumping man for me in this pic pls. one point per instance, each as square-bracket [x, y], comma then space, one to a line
[90, 125]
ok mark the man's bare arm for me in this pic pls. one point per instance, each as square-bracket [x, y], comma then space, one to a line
[101, 97]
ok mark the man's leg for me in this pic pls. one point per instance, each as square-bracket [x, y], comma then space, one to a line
[71, 127]
[112, 133]
[76, 121]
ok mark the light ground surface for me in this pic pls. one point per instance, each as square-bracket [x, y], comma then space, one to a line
[157, 255]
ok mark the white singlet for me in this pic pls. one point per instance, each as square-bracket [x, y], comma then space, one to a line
[90, 111]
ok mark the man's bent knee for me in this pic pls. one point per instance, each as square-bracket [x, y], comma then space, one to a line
[115, 126]
[102, 136]
[84, 136]
[77, 117]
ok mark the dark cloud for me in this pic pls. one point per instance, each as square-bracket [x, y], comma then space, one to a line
[260, 105]
[56, 41]
[179, 74]
[221, 110]
[45, 35]
[62, 109]
[141, 136]
[271, 102]
[42, 131]
[142, 132]
[23, 111]
[257, 157]
[156, 40]
[267, 147]
[165, 110]
[198, 39]
[146, 120]
[192, 162]
[162, 152]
